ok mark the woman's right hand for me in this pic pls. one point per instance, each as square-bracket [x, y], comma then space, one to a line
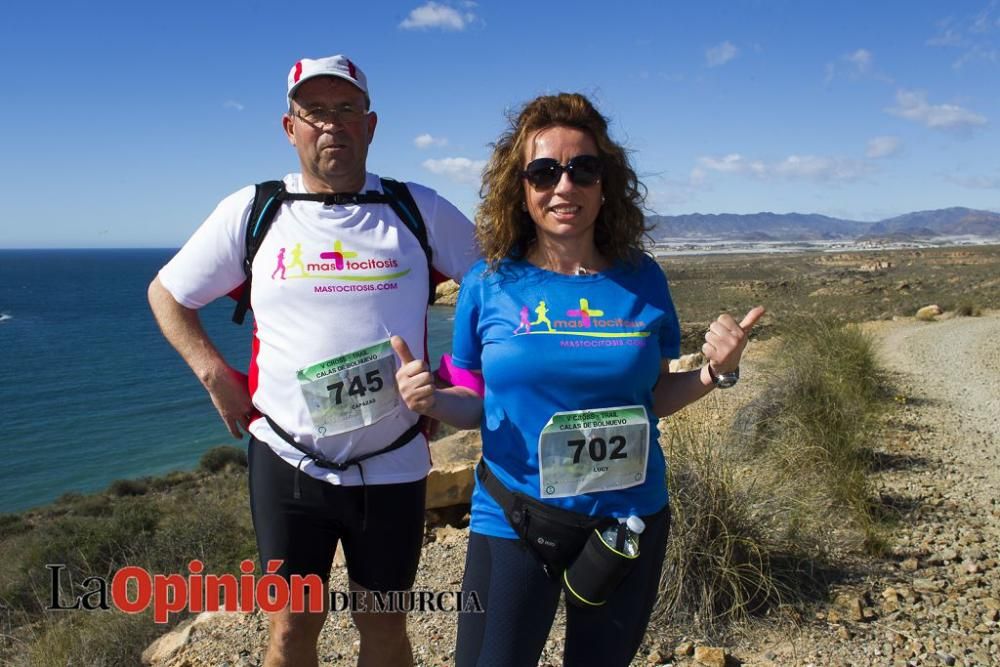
[414, 378]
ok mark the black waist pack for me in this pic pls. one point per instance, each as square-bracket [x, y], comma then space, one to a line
[554, 535]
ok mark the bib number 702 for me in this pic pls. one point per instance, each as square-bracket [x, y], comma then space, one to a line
[356, 387]
[597, 448]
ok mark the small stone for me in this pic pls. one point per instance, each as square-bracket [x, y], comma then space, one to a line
[853, 605]
[710, 656]
[929, 312]
[909, 565]
[843, 633]
[980, 657]
[655, 658]
[992, 616]
[339, 560]
[946, 658]
[684, 649]
[927, 585]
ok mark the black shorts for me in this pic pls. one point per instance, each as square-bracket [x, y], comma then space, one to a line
[303, 533]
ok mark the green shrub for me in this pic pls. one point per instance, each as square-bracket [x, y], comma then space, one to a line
[175, 479]
[199, 517]
[218, 458]
[760, 510]
[811, 430]
[95, 639]
[13, 524]
[128, 487]
[968, 308]
[719, 568]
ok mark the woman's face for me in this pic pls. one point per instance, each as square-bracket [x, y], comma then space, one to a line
[566, 209]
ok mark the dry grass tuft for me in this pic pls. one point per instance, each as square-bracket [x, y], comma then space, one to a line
[761, 512]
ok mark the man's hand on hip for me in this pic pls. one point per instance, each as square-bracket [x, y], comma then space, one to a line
[231, 397]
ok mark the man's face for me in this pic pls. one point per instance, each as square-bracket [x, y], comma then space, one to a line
[332, 154]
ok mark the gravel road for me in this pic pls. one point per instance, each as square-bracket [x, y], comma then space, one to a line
[936, 600]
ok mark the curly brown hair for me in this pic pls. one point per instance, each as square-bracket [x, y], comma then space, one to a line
[504, 229]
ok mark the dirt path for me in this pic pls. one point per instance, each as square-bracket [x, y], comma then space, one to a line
[952, 368]
[937, 599]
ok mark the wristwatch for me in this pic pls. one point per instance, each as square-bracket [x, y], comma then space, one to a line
[724, 380]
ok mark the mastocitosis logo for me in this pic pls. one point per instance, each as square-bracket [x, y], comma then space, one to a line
[336, 263]
[579, 320]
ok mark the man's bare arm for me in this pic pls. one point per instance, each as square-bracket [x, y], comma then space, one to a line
[225, 385]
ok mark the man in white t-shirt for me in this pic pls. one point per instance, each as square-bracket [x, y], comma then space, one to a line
[334, 455]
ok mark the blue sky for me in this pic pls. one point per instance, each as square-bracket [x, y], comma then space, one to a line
[125, 123]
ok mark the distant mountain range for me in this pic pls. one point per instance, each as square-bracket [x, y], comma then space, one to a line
[955, 221]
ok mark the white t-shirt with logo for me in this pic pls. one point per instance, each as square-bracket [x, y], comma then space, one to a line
[330, 283]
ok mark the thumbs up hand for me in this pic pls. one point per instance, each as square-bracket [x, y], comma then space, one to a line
[414, 379]
[726, 340]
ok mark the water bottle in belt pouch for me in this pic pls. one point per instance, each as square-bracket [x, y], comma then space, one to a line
[602, 564]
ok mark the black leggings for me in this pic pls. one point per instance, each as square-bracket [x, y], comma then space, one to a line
[521, 601]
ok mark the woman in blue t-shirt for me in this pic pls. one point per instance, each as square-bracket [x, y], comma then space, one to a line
[570, 327]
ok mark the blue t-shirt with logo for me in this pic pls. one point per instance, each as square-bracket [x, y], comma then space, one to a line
[549, 343]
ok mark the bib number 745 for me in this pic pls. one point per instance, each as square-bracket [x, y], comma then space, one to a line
[356, 387]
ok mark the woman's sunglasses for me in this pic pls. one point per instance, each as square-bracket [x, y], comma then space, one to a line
[545, 172]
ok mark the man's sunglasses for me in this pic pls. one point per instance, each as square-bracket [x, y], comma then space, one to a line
[545, 172]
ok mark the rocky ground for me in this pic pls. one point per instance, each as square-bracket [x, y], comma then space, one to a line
[934, 601]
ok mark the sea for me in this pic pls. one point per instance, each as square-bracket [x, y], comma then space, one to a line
[90, 391]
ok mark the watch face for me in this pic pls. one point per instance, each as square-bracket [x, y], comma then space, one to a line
[727, 380]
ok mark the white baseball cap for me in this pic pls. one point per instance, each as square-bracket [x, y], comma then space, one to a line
[339, 66]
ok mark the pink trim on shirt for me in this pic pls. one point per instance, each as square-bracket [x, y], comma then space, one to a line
[459, 377]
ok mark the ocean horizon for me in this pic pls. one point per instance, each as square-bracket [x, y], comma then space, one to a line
[90, 391]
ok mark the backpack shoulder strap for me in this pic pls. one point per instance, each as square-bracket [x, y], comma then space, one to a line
[403, 204]
[266, 203]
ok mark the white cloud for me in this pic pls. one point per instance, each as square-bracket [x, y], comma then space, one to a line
[233, 104]
[794, 167]
[665, 193]
[977, 52]
[434, 15]
[734, 163]
[975, 36]
[460, 169]
[426, 141]
[857, 64]
[831, 72]
[861, 59]
[977, 182]
[721, 54]
[820, 168]
[912, 105]
[948, 37]
[882, 147]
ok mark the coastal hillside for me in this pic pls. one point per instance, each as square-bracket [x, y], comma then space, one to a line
[778, 227]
